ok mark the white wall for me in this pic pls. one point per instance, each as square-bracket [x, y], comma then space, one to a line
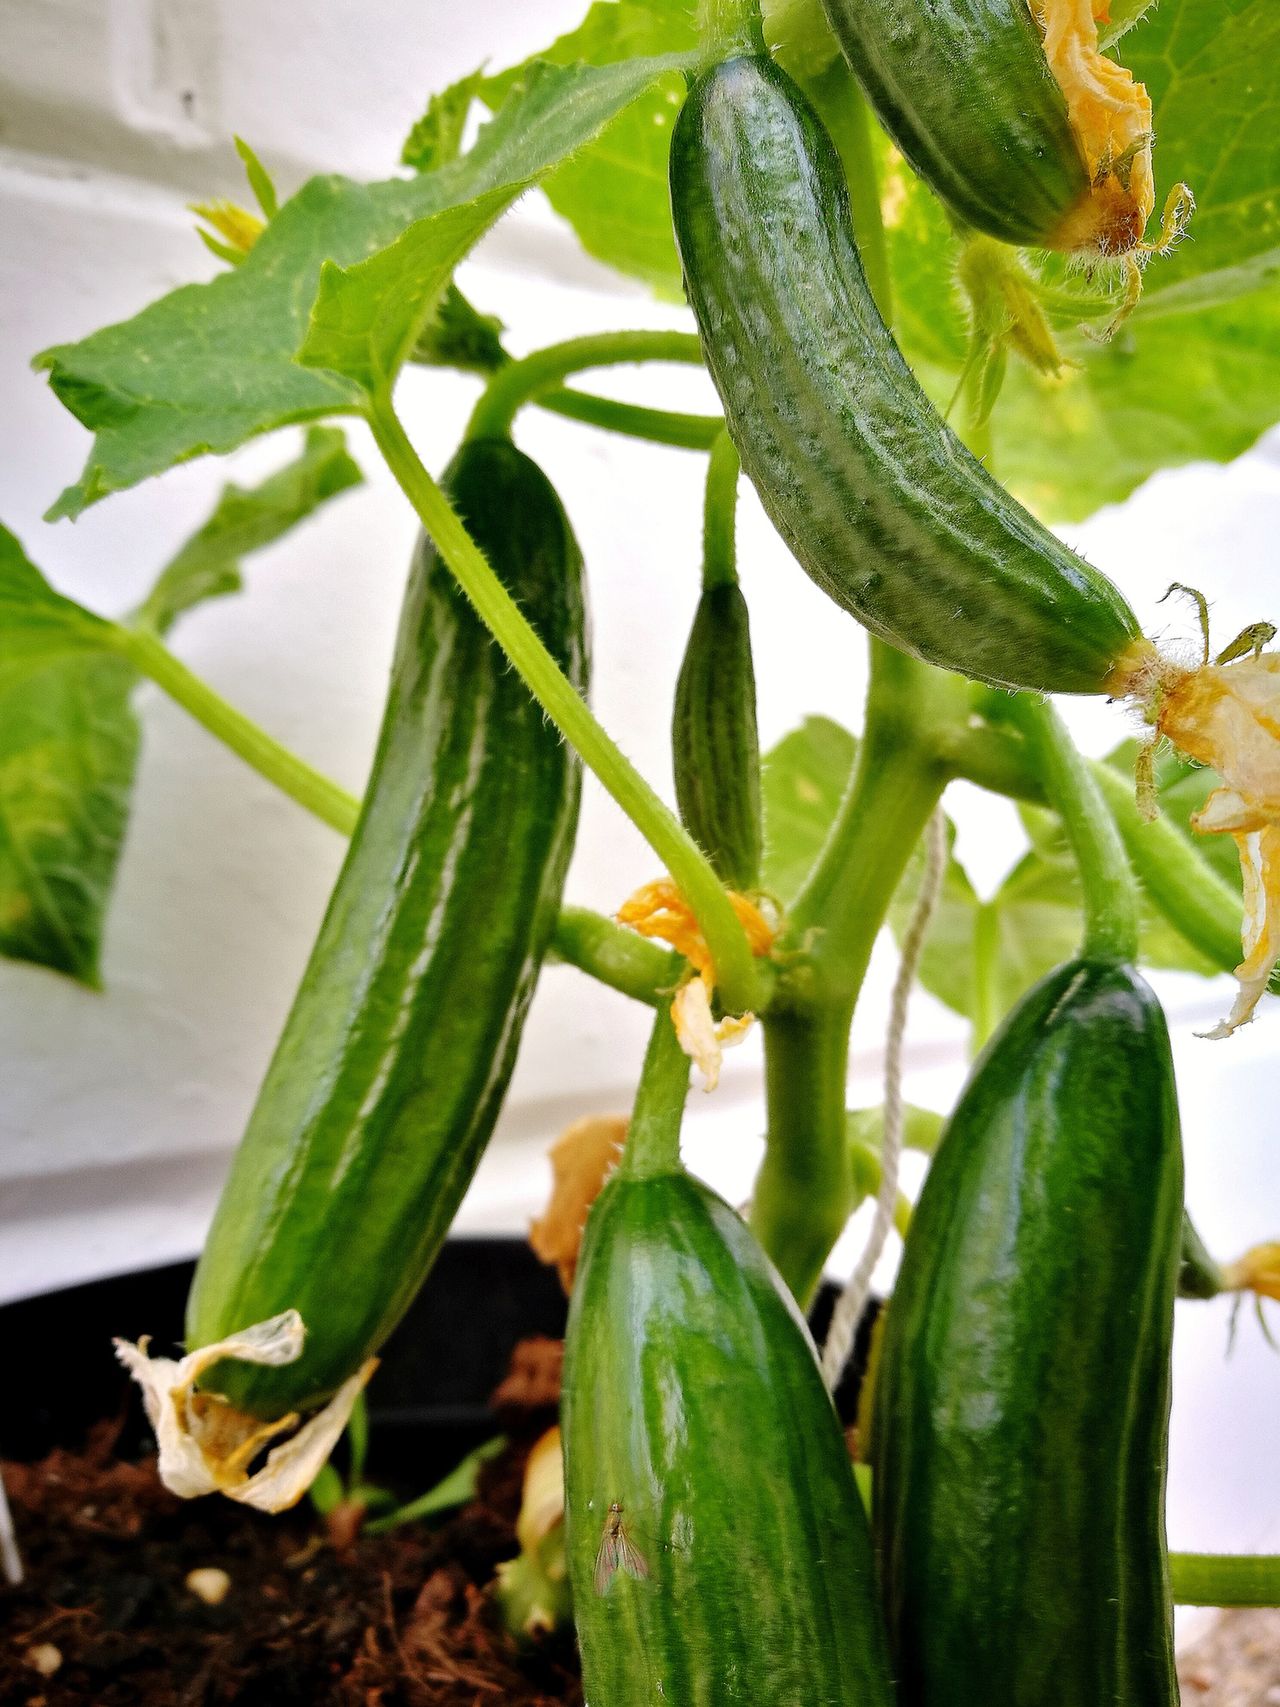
[119, 1110]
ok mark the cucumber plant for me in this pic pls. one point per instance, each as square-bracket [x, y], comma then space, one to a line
[1013, 1426]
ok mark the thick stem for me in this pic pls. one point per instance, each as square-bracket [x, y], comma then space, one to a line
[521, 381]
[719, 516]
[986, 968]
[1106, 877]
[1225, 1579]
[653, 1136]
[898, 780]
[735, 969]
[286, 770]
[615, 956]
[634, 420]
[804, 1192]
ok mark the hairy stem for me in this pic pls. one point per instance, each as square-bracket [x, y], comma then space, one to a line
[615, 956]
[690, 869]
[519, 382]
[730, 27]
[319, 794]
[1106, 877]
[653, 1136]
[634, 420]
[719, 516]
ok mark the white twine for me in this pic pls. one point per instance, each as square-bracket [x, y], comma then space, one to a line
[10, 1558]
[853, 1300]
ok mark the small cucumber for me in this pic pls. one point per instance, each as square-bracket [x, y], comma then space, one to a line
[388, 1078]
[966, 93]
[714, 740]
[1009, 111]
[1022, 1393]
[878, 500]
[718, 1551]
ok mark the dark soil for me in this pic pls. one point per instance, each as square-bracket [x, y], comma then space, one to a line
[105, 1615]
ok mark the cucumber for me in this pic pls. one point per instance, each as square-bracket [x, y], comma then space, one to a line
[715, 744]
[1022, 1393]
[718, 1550]
[878, 500]
[965, 91]
[388, 1078]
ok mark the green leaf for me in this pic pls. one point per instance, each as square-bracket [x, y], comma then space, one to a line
[259, 179]
[1210, 68]
[211, 365]
[69, 739]
[367, 318]
[1182, 787]
[436, 139]
[208, 566]
[39, 627]
[614, 192]
[68, 746]
[921, 1128]
[803, 782]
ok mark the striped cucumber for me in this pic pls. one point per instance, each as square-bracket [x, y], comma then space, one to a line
[1022, 1393]
[1008, 111]
[389, 1075]
[878, 500]
[718, 1550]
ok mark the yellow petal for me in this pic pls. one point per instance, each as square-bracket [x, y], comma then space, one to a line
[702, 1038]
[581, 1160]
[206, 1444]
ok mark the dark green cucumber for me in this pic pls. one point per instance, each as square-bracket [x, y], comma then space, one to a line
[714, 739]
[965, 91]
[696, 1423]
[876, 497]
[387, 1080]
[1022, 1394]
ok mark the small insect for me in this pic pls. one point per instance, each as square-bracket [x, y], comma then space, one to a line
[617, 1552]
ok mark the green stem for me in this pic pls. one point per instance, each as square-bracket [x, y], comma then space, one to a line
[1225, 1579]
[521, 381]
[1106, 877]
[1182, 886]
[615, 956]
[897, 781]
[868, 1171]
[286, 770]
[1175, 879]
[729, 27]
[634, 420]
[719, 516]
[691, 871]
[653, 1135]
[843, 110]
[804, 1192]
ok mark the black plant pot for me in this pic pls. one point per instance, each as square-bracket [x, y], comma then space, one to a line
[428, 1404]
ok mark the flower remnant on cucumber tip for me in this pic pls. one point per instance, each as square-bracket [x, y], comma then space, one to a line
[1226, 715]
[208, 1446]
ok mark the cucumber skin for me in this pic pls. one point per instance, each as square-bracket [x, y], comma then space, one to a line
[965, 91]
[389, 1075]
[1022, 1397]
[693, 1398]
[715, 742]
[878, 500]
